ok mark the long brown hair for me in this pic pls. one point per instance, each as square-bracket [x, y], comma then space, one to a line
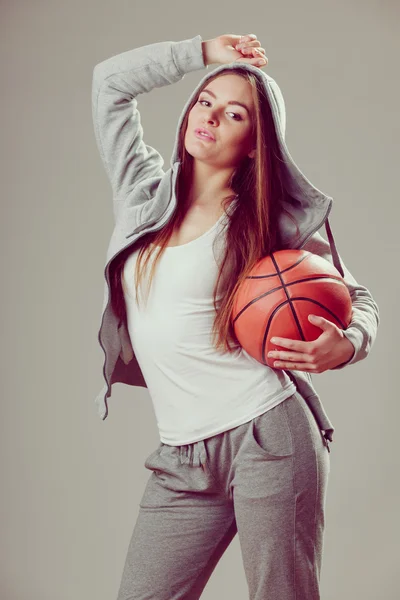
[253, 224]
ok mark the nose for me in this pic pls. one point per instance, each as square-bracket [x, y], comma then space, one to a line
[209, 120]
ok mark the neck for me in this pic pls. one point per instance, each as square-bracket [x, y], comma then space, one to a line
[209, 186]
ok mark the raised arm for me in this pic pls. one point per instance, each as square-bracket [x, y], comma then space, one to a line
[363, 327]
[129, 162]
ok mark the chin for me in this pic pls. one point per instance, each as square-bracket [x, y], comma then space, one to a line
[194, 150]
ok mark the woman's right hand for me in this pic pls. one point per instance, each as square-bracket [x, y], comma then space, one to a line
[228, 48]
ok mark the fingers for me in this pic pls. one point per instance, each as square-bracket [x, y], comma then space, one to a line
[250, 46]
[242, 45]
[247, 40]
[248, 37]
[258, 60]
[256, 52]
[260, 52]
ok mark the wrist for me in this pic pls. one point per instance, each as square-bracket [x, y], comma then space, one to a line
[207, 49]
[348, 349]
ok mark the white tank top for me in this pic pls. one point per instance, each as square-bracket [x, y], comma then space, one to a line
[196, 391]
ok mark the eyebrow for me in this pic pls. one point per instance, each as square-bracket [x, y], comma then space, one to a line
[230, 102]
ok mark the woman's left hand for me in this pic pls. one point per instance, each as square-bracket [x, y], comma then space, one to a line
[229, 47]
[329, 350]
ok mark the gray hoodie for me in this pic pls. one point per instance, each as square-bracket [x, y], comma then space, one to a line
[144, 198]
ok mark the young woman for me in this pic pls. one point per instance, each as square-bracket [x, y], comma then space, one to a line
[243, 446]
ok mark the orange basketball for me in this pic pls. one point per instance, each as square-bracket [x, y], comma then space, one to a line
[281, 291]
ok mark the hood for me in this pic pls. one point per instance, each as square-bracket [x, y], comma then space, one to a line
[308, 205]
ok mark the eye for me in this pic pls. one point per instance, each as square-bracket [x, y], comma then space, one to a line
[237, 116]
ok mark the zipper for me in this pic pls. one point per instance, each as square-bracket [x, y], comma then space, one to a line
[106, 275]
[104, 350]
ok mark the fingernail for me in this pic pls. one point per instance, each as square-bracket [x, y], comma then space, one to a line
[260, 62]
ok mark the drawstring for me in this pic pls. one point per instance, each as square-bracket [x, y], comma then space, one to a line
[327, 436]
[326, 442]
[193, 454]
[335, 254]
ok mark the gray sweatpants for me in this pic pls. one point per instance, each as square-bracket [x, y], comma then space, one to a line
[265, 480]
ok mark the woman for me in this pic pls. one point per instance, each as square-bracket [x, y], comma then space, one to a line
[243, 447]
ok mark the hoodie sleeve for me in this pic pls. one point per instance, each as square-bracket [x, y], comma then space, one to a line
[362, 329]
[116, 83]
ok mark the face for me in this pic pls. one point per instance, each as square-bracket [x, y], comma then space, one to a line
[229, 124]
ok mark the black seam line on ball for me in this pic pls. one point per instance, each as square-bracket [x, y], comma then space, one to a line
[289, 299]
[278, 270]
[268, 326]
[279, 287]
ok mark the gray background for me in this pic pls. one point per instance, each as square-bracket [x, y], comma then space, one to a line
[70, 483]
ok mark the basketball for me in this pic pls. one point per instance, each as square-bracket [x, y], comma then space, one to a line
[282, 290]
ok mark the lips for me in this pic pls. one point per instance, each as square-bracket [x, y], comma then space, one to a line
[202, 130]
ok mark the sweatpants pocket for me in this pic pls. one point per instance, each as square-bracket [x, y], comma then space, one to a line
[271, 433]
[149, 462]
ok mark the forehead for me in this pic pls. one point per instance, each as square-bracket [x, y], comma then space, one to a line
[229, 82]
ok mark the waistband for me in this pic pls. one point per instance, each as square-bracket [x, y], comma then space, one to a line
[193, 454]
